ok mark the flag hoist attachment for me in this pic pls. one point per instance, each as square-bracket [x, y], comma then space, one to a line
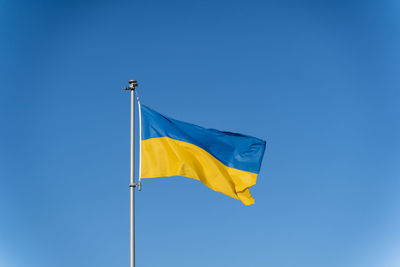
[132, 185]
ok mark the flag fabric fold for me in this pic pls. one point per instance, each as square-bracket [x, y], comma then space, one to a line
[225, 162]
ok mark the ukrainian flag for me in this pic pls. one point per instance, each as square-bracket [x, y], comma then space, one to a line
[226, 162]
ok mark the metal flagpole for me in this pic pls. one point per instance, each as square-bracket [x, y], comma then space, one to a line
[132, 185]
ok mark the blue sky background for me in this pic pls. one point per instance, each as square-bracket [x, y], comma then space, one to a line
[318, 80]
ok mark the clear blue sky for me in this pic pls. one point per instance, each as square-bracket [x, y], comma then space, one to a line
[318, 80]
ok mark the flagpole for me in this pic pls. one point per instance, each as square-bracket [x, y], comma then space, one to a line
[132, 185]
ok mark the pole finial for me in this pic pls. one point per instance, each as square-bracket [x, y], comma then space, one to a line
[132, 85]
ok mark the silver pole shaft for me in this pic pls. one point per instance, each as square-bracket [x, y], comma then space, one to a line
[132, 181]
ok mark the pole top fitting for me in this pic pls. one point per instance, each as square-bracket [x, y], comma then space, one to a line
[132, 85]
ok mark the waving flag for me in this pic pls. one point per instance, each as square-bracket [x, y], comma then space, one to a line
[225, 162]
